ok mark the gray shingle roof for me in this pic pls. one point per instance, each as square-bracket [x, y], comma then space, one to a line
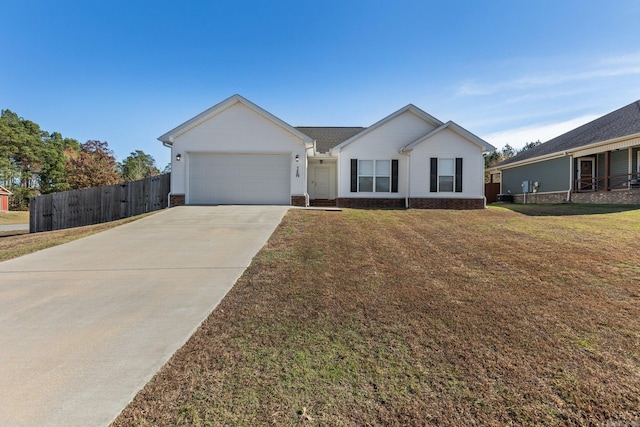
[619, 123]
[328, 137]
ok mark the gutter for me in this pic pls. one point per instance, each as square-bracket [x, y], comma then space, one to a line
[570, 151]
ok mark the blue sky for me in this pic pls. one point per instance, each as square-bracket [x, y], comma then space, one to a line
[128, 71]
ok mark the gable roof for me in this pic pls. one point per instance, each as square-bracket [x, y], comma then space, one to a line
[484, 145]
[168, 137]
[411, 108]
[328, 137]
[619, 123]
[5, 191]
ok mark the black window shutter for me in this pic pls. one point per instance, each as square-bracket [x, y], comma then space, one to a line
[394, 176]
[354, 175]
[458, 174]
[434, 174]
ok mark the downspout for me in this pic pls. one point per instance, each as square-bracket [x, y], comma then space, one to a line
[630, 168]
[171, 160]
[570, 178]
[406, 199]
[484, 193]
[407, 195]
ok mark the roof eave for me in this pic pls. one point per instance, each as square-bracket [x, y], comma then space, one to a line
[607, 142]
[168, 138]
[531, 160]
[453, 126]
[562, 153]
[410, 107]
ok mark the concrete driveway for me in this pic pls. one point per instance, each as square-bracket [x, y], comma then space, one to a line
[14, 227]
[85, 325]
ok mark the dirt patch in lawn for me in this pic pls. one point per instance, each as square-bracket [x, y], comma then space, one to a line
[415, 317]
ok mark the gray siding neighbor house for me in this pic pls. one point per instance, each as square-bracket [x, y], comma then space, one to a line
[598, 162]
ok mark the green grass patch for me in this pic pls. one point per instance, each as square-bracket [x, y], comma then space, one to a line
[564, 209]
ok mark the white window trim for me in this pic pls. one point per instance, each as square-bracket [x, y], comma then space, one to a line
[374, 176]
[593, 171]
[453, 176]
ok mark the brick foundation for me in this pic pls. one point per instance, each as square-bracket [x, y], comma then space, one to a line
[541, 198]
[622, 197]
[433, 203]
[369, 203]
[176, 200]
[299, 201]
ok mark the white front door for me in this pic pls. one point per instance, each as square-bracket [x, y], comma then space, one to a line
[322, 182]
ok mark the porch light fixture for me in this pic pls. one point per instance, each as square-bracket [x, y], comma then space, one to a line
[297, 158]
[178, 157]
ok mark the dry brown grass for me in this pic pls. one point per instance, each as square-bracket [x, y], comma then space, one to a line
[418, 317]
[14, 217]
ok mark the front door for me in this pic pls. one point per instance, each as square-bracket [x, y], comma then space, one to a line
[322, 182]
[586, 168]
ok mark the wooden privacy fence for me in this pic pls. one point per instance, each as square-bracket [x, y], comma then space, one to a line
[98, 204]
[491, 191]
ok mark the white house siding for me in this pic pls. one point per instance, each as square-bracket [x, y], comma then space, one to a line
[447, 145]
[237, 129]
[383, 143]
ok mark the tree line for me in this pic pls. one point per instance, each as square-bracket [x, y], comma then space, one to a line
[34, 161]
[506, 152]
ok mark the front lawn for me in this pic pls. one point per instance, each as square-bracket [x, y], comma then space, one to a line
[540, 209]
[14, 217]
[384, 317]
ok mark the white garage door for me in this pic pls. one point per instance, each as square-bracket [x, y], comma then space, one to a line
[239, 179]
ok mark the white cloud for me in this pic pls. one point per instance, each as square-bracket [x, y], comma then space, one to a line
[518, 137]
[614, 66]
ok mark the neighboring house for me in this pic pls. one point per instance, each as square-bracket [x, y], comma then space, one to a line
[237, 153]
[4, 199]
[598, 162]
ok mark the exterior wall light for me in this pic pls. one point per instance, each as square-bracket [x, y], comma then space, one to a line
[178, 157]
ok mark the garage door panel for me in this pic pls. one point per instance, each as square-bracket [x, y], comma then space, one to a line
[239, 179]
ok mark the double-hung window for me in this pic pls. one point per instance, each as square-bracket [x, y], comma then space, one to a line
[446, 175]
[374, 176]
